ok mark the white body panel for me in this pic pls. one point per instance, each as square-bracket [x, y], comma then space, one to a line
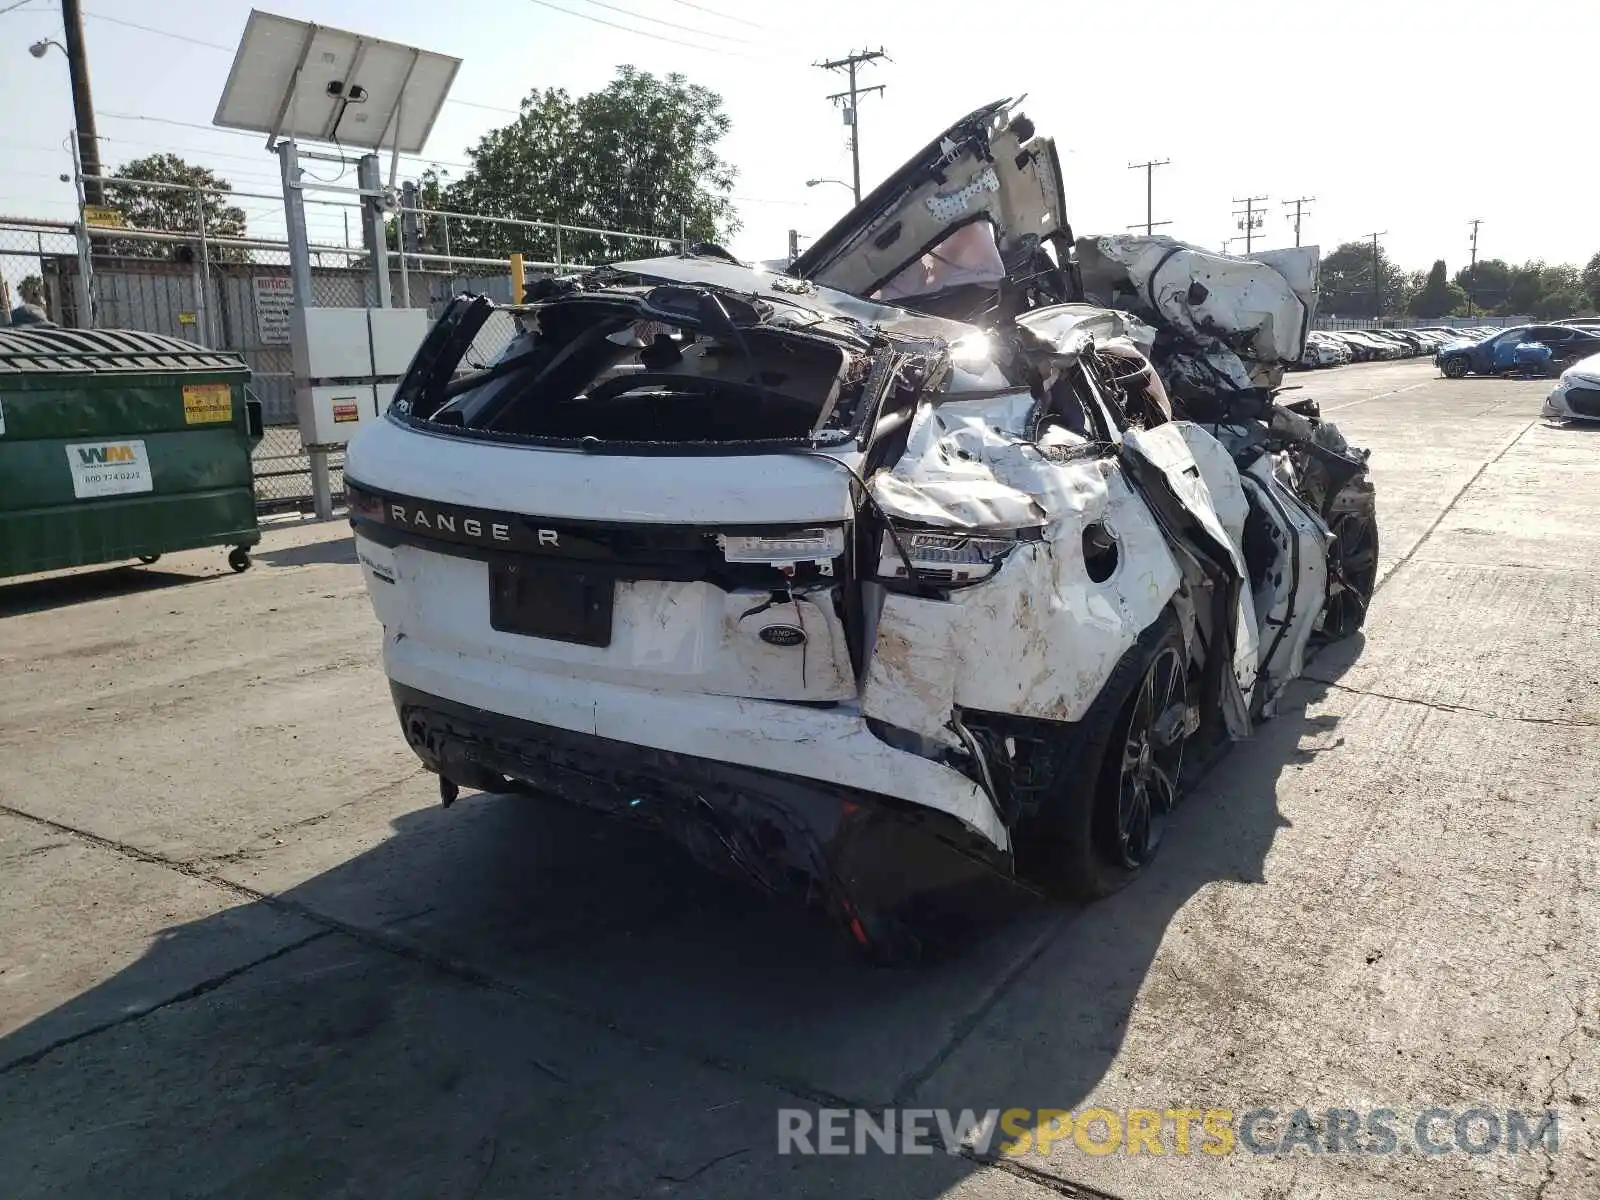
[765, 489]
[831, 744]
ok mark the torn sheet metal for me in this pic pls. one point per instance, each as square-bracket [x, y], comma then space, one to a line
[1249, 303]
[1040, 638]
[1066, 327]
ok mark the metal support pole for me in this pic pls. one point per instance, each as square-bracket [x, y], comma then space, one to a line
[369, 177]
[202, 289]
[408, 239]
[86, 311]
[558, 253]
[1472, 271]
[294, 219]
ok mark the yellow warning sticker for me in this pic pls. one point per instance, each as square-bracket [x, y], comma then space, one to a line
[207, 403]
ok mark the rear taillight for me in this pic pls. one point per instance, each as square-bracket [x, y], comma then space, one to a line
[944, 557]
[362, 505]
[819, 546]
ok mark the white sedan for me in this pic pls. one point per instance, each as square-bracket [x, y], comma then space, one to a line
[1576, 396]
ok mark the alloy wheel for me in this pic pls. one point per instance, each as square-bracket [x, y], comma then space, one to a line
[1152, 757]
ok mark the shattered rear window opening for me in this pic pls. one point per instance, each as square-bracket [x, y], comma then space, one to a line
[610, 369]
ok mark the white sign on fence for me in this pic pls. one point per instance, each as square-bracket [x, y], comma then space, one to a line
[108, 468]
[274, 299]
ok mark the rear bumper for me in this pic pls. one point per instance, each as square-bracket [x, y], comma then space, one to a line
[863, 855]
[830, 747]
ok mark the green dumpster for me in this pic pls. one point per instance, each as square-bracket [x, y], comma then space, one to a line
[116, 444]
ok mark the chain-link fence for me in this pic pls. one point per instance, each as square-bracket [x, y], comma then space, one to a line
[212, 265]
[30, 254]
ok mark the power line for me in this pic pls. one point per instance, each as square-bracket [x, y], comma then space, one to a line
[727, 37]
[659, 37]
[1298, 202]
[1149, 169]
[181, 37]
[713, 12]
[849, 63]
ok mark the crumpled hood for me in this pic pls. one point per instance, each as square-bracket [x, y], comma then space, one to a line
[1261, 306]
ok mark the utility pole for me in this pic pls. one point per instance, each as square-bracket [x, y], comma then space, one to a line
[1377, 275]
[849, 63]
[1298, 203]
[1250, 219]
[1149, 169]
[82, 101]
[1472, 271]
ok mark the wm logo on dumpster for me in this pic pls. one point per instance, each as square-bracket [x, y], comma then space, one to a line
[102, 456]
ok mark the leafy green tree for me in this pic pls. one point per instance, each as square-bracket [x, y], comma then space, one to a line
[1591, 281]
[1561, 293]
[1437, 297]
[1347, 282]
[1527, 285]
[173, 211]
[640, 155]
[1487, 284]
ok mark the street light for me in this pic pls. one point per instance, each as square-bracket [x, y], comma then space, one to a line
[810, 183]
[42, 47]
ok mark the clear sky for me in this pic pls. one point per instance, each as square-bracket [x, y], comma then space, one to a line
[1406, 116]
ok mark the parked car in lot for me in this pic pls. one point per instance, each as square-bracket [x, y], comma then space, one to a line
[1522, 348]
[1408, 346]
[1324, 351]
[1576, 395]
[851, 598]
[1366, 346]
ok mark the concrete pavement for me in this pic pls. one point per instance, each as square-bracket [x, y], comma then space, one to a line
[243, 952]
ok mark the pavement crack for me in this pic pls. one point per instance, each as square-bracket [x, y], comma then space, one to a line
[1440, 706]
[908, 1086]
[703, 1167]
[1055, 1183]
[1575, 1035]
[183, 997]
[247, 852]
[1454, 500]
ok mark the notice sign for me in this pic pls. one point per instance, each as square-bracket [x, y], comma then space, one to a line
[108, 468]
[274, 299]
[345, 408]
[104, 217]
[207, 403]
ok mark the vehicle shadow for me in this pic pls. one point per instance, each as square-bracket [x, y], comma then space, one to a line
[58, 591]
[336, 551]
[508, 931]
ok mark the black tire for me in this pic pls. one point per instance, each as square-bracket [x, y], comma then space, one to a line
[147, 559]
[1455, 368]
[239, 558]
[1352, 573]
[1087, 841]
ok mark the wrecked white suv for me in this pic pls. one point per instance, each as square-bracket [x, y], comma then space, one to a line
[863, 578]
